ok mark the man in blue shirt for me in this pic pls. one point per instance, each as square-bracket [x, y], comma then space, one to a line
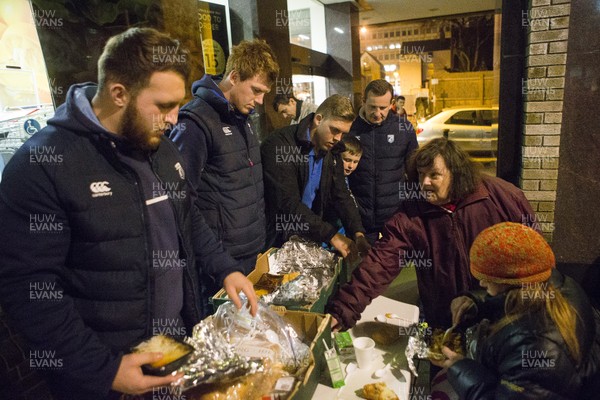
[304, 179]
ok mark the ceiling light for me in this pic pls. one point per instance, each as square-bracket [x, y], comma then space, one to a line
[338, 30]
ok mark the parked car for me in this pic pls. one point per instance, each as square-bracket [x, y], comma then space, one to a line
[475, 129]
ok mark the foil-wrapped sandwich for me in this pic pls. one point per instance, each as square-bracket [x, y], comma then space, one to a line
[240, 356]
[426, 343]
[306, 268]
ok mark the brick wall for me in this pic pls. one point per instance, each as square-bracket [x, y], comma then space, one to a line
[543, 88]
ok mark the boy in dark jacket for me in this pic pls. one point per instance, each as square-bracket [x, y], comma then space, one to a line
[304, 178]
[100, 234]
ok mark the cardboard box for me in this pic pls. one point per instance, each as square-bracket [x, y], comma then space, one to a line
[262, 267]
[316, 327]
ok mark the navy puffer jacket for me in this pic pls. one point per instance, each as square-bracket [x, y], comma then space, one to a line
[76, 270]
[222, 157]
[376, 182]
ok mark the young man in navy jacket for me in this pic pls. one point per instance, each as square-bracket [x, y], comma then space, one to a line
[221, 150]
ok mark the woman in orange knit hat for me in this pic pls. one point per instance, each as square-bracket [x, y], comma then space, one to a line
[536, 326]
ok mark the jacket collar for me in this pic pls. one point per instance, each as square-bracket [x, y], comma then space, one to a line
[298, 109]
[207, 89]
[479, 194]
[301, 129]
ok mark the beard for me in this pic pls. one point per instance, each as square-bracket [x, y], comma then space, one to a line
[134, 130]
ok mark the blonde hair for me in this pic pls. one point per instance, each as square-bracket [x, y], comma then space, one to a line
[542, 300]
[253, 57]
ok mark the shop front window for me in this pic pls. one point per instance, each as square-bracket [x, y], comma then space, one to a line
[306, 22]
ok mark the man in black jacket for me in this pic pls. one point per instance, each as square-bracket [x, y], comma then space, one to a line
[221, 150]
[100, 233]
[387, 140]
[304, 178]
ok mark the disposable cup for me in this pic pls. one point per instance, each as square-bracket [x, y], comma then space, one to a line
[363, 348]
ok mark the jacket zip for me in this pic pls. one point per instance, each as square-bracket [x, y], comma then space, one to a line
[146, 244]
[374, 188]
[182, 245]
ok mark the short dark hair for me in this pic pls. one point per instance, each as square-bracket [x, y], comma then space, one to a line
[131, 57]
[400, 98]
[465, 176]
[337, 107]
[379, 87]
[284, 99]
[253, 57]
[352, 145]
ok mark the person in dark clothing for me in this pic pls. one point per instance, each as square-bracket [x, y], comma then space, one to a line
[304, 178]
[290, 107]
[398, 106]
[447, 205]
[100, 234]
[536, 326]
[221, 150]
[387, 140]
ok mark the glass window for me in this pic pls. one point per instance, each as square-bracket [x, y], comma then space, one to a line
[385, 35]
[403, 33]
[468, 117]
[489, 117]
[306, 22]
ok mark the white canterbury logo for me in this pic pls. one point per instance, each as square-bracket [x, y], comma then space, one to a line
[100, 189]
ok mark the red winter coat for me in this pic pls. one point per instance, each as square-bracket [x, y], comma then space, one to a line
[438, 242]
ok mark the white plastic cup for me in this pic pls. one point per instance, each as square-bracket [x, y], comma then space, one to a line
[363, 349]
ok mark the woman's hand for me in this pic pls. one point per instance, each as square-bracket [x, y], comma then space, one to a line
[451, 358]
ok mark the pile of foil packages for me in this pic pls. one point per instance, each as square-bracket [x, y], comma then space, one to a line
[315, 265]
[232, 344]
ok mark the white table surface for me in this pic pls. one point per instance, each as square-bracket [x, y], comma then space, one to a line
[397, 379]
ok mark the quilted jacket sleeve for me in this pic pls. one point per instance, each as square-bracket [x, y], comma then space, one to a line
[31, 293]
